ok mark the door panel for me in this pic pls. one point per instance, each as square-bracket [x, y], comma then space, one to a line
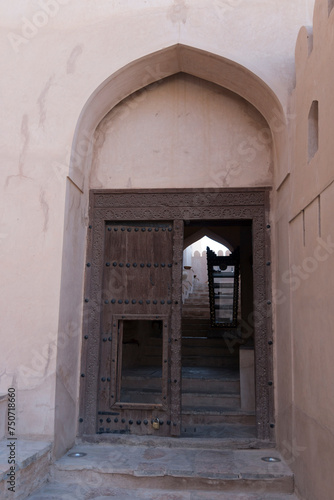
[100, 336]
[133, 390]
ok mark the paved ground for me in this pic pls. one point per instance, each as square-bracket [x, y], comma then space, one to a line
[123, 472]
[143, 460]
[76, 492]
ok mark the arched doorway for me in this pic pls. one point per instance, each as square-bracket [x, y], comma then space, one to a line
[144, 71]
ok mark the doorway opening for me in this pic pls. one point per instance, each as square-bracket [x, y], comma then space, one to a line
[152, 363]
[216, 401]
[139, 369]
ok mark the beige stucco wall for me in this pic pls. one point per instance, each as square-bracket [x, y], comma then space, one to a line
[56, 56]
[305, 205]
[182, 131]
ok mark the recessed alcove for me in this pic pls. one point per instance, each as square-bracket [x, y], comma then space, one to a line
[313, 130]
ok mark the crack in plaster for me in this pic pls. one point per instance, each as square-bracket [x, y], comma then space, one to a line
[45, 209]
[72, 60]
[41, 101]
[26, 138]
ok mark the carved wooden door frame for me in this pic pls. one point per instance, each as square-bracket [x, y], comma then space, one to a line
[180, 205]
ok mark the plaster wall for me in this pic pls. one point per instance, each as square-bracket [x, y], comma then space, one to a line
[55, 55]
[182, 131]
[281, 300]
[309, 277]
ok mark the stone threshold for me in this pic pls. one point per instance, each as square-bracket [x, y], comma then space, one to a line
[75, 491]
[146, 468]
[177, 442]
[198, 471]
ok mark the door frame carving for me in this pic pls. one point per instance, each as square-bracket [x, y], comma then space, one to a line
[179, 205]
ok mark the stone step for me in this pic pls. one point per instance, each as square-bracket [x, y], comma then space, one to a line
[200, 289]
[195, 302]
[190, 341]
[188, 385]
[211, 416]
[194, 307]
[228, 361]
[191, 326]
[202, 342]
[210, 361]
[191, 331]
[203, 333]
[199, 293]
[221, 353]
[195, 399]
[213, 385]
[210, 400]
[126, 472]
[153, 441]
[192, 350]
[237, 434]
[189, 323]
[32, 461]
[198, 380]
[75, 491]
[216, 354]
[216, 386]
[196, 313]
[193, 321]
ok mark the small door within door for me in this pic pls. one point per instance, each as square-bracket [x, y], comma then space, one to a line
[134, 373]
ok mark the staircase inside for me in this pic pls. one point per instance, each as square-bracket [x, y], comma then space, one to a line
[211, 399]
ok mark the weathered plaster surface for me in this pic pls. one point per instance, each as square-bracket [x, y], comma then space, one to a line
[305, 230]
[182, 131]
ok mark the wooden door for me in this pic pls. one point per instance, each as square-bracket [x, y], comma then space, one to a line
[108, 325]
[134, 372]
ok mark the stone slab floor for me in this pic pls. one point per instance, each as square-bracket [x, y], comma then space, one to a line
[54, 492]
[125, 472]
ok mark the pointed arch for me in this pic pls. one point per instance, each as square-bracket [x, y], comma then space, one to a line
[122, 83]
[204, 231]
[159, 65]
